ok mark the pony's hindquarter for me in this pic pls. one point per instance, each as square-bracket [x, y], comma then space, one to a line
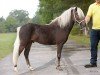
[16, 49]
[21, 43]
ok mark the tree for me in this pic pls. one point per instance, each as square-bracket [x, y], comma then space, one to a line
[16, 18]
[46, 10]
[11, 24]
[2, 25]
[20, 15]
[49, 9]
[37, 18]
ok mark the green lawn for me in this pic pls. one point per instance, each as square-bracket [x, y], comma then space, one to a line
[83, 40]
[80, 39]
[6, 43]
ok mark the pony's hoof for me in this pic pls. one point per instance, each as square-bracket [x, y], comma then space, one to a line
[59, 68]
[15, 69]
[31, 68]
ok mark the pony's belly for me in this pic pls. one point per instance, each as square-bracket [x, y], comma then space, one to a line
[43, 39]
[46, 42]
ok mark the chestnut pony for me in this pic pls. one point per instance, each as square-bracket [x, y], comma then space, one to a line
[54, 33]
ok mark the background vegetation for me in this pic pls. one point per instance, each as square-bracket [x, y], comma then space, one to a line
[49, 9]
[16, 18]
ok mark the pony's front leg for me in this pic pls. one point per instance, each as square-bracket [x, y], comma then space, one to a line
[26, 54]
[59, 50]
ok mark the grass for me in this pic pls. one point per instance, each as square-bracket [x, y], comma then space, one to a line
[83, 40]
[80, 39]
[6, 43]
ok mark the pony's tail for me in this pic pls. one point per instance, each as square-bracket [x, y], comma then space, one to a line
[16, 48]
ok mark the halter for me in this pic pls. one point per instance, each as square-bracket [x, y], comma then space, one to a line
[79, 22]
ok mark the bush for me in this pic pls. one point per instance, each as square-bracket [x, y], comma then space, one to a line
[75, 30]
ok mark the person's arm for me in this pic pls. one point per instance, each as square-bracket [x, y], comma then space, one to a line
[89, 14]
[87, 19]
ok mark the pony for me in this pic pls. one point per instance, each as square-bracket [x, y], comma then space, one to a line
[54, 33]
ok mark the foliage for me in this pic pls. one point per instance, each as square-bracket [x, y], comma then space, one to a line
[49, 9]
[2, 26]
[83, 40]
[20, 15]
[16, 18]
[37, 18]
[11, 24]
[75, 30]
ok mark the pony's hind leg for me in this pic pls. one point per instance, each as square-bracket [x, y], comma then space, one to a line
[26, 54]
[16, 53]
[15, 57]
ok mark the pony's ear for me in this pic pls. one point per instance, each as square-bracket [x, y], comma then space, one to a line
[75, 8]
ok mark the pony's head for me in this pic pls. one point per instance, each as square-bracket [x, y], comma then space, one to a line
[78, 16]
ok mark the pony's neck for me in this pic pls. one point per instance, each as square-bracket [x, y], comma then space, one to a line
[69, 26]
[54, 23]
